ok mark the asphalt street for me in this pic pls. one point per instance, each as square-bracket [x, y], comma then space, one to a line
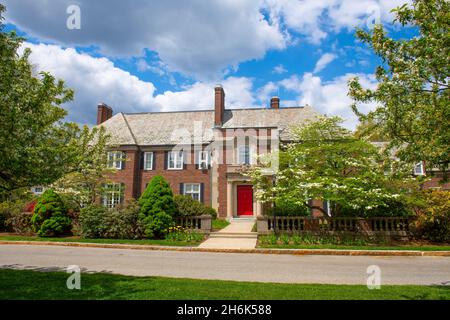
[230, 266]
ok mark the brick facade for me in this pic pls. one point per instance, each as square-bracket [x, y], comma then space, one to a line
[140, 133]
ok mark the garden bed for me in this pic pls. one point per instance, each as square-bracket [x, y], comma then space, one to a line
[296, 242]
[163, 242]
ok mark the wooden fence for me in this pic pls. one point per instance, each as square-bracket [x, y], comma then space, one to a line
[376, 225]
[196, 223]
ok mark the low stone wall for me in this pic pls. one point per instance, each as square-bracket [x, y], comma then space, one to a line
[196, 223]
[388, 226]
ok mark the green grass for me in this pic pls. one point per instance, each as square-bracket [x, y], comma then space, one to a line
[106, 241]
[368, 247]
[218, 224]
[34, 285]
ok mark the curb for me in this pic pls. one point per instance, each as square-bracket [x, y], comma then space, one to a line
[299, 252]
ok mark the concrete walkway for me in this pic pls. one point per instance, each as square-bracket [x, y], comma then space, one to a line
[238, 235]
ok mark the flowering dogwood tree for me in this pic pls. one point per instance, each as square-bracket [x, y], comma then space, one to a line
[326, 162]
[413, 91]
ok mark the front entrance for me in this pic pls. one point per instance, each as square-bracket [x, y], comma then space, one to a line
[244, 200]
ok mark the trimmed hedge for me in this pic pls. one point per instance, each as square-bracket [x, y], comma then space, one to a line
[50, 216]
[157, 208]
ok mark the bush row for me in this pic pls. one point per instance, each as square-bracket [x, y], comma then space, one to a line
[152, 216]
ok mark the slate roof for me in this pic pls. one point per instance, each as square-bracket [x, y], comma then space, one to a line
[166, 128]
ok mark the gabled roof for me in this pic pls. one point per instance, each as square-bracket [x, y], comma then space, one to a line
[164, 128]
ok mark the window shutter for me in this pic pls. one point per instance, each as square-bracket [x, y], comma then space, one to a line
[202, 193]
[209, 159]
[197, 159]
[154, 161]
[185, 157]
[325, 206]
[181, 188]
[166, 159]
[141, 160]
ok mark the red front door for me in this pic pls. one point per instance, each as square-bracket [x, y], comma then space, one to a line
[244, 200]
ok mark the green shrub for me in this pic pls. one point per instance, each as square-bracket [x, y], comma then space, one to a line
[433, 222]
[20, 222]
[50, 216]
[123, 222]
[8, 209]
[157, 208]
[288, 208]
[92, 221]
[395, 208]
[187, 206]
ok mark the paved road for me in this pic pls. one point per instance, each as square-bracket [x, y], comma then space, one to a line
[230, 266]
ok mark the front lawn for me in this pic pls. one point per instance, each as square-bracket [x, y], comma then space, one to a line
[52, 285]
[343, 247]
[105, 241]
[218, 224]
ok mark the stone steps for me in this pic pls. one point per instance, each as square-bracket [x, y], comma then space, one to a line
[238, 235]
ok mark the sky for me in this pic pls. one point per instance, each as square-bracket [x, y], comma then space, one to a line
[150, 56]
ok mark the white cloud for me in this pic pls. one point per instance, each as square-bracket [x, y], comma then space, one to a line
[324, 60]
[200, 96]
[330, 97]
[266, 92]
[98, 80]
[279, 69]
[191, 37]
[314, 19]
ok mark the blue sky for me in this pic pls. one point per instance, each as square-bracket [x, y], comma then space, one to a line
[163, 56]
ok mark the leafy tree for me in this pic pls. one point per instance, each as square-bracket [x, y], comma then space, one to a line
[88, 170]
[50, 215]
[413, 92]
[33, 139]
[327, 163]
[157, 207]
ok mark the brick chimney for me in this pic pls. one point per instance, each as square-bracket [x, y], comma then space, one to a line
[104, 113]
[219, 106]
[275, 103]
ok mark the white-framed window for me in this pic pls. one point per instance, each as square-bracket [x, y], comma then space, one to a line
[175, 160]
[419, 169]
[112, 195]
[115, 159]
[193, 190]
[37, 190]
[244, 155]
[204, 159]
[148, 161]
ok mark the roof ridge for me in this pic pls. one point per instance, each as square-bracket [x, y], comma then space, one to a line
[212, 110]
[129, 128]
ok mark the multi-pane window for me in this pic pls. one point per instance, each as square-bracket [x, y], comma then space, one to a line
[148, 160]
[115, 159]
[112, 195]
[193, 190]
[203, 159]
[244, 155]
[419, 169]
[175, 160]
